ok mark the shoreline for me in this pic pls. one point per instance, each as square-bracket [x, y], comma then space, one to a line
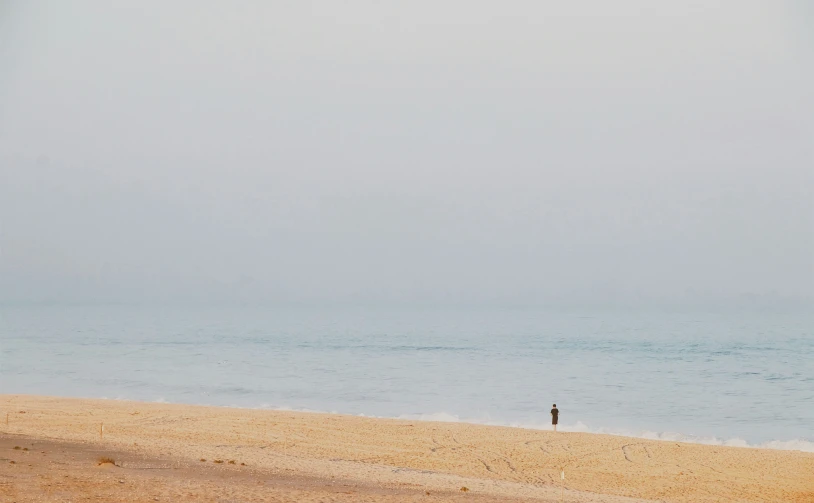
[509, 463]
[794, 444]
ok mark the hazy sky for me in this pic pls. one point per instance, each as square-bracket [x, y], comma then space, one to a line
[421, 151]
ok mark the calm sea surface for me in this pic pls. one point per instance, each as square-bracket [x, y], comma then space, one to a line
[735, 377]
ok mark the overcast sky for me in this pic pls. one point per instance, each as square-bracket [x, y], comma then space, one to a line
[425, 151]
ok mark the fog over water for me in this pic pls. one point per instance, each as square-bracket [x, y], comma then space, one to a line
[453, 152]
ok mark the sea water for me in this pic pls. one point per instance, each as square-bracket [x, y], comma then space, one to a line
[734, 377]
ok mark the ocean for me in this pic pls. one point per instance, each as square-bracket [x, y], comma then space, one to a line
[730, 377]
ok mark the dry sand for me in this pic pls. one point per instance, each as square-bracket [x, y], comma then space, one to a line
[303, 457]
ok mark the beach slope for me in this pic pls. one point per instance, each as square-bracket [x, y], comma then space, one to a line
[192, 453]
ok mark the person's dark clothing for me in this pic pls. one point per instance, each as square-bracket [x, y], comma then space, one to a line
[555, 413]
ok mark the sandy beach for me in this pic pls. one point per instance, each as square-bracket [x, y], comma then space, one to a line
[51, 449]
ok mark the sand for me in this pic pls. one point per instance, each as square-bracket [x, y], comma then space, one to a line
[302, 457]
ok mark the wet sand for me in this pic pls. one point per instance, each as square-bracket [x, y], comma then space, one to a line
[292, 456]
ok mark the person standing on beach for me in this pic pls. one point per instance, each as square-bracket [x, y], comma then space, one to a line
[555, 416]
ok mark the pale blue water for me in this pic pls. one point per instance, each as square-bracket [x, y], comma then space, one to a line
[707, 377]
